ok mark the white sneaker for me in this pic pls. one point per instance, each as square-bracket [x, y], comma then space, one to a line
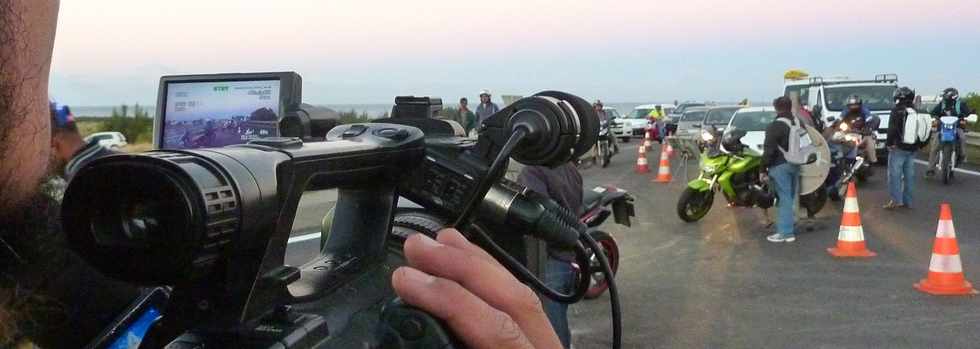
[780, 238]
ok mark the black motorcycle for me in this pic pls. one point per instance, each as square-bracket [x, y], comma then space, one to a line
[606, 146]
[599, 203]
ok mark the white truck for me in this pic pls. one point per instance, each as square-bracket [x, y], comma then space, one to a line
[826, 98]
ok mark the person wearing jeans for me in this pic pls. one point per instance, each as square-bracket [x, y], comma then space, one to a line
[563, 184]
[784, 176]
[785, 179]
[901, 176]
[901, 154]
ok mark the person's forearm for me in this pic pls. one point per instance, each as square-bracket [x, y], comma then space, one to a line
[27, 30]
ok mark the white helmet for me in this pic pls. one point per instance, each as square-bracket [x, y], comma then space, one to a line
[485, 92]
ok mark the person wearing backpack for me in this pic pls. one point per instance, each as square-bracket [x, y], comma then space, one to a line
[908, 132]
[786, 147]
[951, 105]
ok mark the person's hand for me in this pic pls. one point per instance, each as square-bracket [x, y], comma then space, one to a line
[764, 177]
[483, 304]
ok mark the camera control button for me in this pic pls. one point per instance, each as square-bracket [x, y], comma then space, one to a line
[354, 131]
[411, 329]
[392, 134]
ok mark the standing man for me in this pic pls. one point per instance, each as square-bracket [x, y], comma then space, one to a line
[466, 116]
[656, 119]
[785, 177]
[951, 106]
[563, 184]
[486, 107]
[902, 145]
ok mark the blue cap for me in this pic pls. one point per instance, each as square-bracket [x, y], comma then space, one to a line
[61, 116]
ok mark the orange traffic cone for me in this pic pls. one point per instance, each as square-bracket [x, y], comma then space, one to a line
[648, 139]
[850, 240]
[663, 174]
[641, 161]
[945, 276]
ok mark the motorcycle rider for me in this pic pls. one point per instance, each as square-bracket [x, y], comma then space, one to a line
[858, 117]
[950, 106]
[604, 120]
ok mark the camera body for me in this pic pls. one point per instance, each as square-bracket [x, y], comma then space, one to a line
[213, 223]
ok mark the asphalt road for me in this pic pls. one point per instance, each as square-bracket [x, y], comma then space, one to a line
[718, 283]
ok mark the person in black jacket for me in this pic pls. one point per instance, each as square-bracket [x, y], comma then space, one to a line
[563, 184]
[901, 155]
[785, 176]
[951, 105]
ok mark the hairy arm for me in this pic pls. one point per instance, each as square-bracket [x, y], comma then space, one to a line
[27, 29]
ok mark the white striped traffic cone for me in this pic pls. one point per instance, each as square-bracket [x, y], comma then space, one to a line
[663, 173]
[648, 139]
[850, 240]
[641, 161]
[945, 276]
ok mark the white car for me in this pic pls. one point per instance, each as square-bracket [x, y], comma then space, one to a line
[754, 122]
[111, 140]
[635, 123]
[616, 126]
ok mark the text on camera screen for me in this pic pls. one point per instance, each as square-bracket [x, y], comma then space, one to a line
[216, 114]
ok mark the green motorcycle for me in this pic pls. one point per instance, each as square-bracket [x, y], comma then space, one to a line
[733, 168]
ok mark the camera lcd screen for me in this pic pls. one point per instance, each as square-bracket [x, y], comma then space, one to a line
[132, 335]
[219, 113]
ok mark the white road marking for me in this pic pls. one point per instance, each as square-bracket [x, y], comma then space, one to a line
[302, 238]
[960, 170]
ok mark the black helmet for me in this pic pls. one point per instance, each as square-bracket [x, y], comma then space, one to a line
[904, 95]
[951, 94]
[732, 140]
[854, 102]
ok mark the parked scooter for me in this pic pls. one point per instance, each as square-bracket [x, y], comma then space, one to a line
[599, 203]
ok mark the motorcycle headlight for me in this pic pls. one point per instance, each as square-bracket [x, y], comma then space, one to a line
[843, 127]
[708, 169]
[707, 136]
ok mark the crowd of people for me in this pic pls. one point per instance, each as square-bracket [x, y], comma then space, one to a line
[908, 132]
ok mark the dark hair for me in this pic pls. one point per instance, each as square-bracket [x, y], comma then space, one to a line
[464, 100]
[782, 104]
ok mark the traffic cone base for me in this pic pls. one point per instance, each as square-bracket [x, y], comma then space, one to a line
[850, 249]
[961, 288]
[850, 240]
[945, 277]
[663, 173]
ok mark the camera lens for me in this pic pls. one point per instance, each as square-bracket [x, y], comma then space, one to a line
[150, 219]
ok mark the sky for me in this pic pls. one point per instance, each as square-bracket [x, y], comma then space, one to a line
[109, 52]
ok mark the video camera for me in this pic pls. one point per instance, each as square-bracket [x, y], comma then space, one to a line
[213, 223]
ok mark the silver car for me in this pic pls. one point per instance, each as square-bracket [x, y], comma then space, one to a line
[689, 124]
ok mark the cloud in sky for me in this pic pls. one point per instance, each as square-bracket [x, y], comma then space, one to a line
[111, 51]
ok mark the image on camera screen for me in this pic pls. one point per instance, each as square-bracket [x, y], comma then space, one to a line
[216, 114]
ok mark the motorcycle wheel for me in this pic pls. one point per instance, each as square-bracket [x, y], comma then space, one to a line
[604, 154]
[842, 191]
[694, 204]
[599, 283]
[814, 202]
[947, 163]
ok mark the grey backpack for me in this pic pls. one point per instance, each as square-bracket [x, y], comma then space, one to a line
[801, 149]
